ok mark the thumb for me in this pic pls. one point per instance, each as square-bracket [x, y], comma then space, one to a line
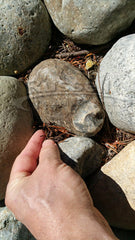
[23, 166]
[26, 162]
[49, 154]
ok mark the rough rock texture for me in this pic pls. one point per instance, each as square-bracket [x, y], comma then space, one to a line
[117, 83]
[25, 31]
[91, 22]
[84, 152]
[11, 229]
[16, 122]
[62, 94]
[113, 189]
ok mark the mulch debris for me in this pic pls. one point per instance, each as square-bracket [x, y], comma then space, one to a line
[54, 132]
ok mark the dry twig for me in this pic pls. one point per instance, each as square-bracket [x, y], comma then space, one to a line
[71, 54]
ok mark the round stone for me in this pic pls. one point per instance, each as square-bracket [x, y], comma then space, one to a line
[85, 153]
[25, 32]
[91, 22]
[62, 94]
[116, 83]
[16, 121]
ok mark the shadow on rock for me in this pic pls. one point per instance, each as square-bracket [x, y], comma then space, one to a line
[24, 233]
[111, 201]
[124, 234]
[69, 161]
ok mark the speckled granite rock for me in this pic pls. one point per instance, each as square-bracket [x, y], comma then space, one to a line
[117, 83]
[16, 122]
[84, 152]
[113, 189]
[91, 22]
[62, 94]
[11, 229]
[25, 31]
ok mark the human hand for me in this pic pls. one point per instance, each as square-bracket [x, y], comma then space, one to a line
[50, 198]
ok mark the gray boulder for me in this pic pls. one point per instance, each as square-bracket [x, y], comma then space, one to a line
[116, 83]
[113, 189]
[91, 22]
[62, 94]
[82, 152]
[11, 229]
[25, 32]
[16, 122]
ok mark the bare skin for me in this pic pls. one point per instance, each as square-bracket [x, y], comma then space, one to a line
[50, 198]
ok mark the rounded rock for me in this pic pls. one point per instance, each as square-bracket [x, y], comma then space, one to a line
[25, 32]
[116, 83]
[16, 121]
[84, 152]
[62, 94]
[91, 22]
[11, 228]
